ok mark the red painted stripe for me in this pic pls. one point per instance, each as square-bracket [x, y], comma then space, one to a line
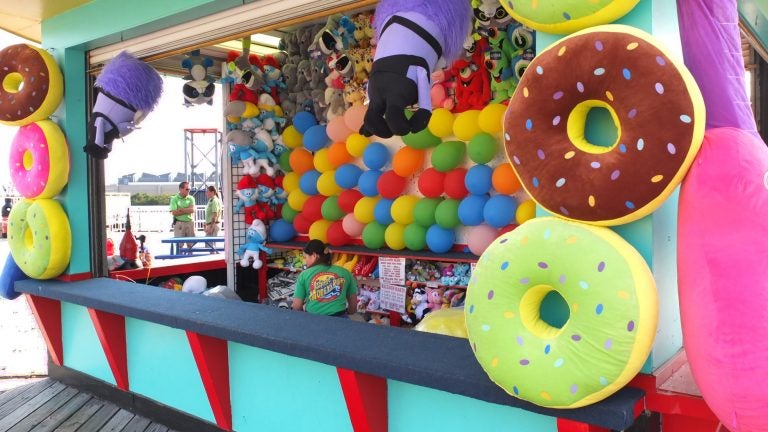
[48, 315]
[168, 270]
[672, 403]
[565, 425]
[75, 277]
[212, 358]
[366, 397]
[110, 328]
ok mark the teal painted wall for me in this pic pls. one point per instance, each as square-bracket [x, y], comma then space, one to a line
[276, 392]
[415, 408]
[82, 350]
[161, 367]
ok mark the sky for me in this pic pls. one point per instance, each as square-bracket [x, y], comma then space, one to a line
[157, 147]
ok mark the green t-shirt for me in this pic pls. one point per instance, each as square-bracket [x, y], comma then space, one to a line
[325, 288]
[177, 202]
[213, 208]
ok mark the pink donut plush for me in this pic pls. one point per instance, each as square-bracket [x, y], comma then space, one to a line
[39, 160]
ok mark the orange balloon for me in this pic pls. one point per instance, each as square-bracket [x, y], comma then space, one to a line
[407, 161]
[301, 160]
[504, 179]
[338, 154]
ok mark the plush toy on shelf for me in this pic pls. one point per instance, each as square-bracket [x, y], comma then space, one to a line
[413, 36]
[255, 238]
[435, 298]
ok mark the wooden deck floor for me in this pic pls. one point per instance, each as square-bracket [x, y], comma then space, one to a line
[49, 405]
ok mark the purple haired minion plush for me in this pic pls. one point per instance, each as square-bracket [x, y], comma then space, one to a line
[412, 35]
[128, 90]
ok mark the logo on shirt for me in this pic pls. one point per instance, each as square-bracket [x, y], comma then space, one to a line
[325, 287]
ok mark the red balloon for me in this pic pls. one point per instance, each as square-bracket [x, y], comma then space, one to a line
[348, 199]
[454, 183]
[336, 234]
[312, 209]
[431, 183]
[390, 185]
[301, 223]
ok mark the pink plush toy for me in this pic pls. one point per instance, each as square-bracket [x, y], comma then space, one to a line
[435, 298]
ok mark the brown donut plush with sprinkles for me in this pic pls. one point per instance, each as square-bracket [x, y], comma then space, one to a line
[655, 104]
[32, 85]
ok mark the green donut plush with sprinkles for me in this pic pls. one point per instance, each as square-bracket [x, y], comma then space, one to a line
[567, 16]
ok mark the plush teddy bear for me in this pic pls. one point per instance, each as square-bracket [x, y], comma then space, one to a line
[255, 238]
[334, 99]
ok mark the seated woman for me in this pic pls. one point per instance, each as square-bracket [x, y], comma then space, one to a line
[324, 288]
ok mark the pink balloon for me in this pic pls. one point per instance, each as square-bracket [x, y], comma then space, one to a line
[337, 129]
[354, 116]
[352, 226]
[480, 237]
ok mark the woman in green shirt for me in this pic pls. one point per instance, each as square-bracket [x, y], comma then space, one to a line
[324, 288]
[212, 212]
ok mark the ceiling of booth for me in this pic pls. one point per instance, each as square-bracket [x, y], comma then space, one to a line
[23, 18]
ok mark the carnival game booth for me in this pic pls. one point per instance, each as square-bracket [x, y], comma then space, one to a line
[545, 159]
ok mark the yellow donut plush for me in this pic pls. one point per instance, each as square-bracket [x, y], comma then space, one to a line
[567, 16]
[40, 238]
[613, 312]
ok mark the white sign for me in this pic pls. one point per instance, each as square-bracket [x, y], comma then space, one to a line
[392, 297]
[392, 270]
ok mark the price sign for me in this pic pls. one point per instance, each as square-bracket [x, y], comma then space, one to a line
[392, 297]
[392, 270]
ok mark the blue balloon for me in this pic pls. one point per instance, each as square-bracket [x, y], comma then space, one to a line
[11, 273]
[500, 210]
[382, 211]
[368, 181]
[308, 182]
[439, 239]
[478, 179]
[375, 156]
[303, 121]
[471, 209]
[281, 230]
[348, 175]
[315, 138]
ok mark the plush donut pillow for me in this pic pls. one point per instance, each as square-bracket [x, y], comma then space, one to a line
[655, 104]
[567, 16]
[31, 84]
[610, 293]
[40, 237]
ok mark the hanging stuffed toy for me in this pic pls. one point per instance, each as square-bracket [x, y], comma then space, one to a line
[129, 89]
[255, 238]
[412, 36]
[199, 88]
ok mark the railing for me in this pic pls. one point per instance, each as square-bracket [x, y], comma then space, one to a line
[151, 219]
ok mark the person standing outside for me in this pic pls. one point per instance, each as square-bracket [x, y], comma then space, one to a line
[183, 210]
[324, 288]
[212, 215]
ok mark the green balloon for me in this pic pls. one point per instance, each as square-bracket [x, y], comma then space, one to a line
[373, 235]
[482, 148]
[331, 210]
[288, 213]
[284, 164]
[415, 237]
[424, 212]
[421, 140]
[448, 155]
[447, 214]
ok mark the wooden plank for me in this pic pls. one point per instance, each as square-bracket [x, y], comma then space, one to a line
[156, 427]
[118, 421]
[81, 416]
[137, 424]
[63, 413]
[44, 410]
[14, 411]
[96, 421]
[33, 389]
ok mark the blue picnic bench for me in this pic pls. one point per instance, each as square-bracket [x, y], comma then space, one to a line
[179, 246]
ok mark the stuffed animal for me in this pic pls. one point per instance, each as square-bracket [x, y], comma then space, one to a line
[363, 29]
[490, 13]
[412, 35]
[247, 191]
[435, 296]
[419, 303]
[200, 88]
[273, 77]
[265, 192]
[334, 99]
[255, 238]
[441, 87]
[241, 150]
[354, 94]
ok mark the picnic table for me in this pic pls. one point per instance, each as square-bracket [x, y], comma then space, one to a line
[185, 247]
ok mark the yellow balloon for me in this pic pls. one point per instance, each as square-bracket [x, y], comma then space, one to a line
[326, 184]
[525, 211]
[466, 125]
[441, 123]
[296, 199]
[393, 236]
[491, 118]
[292, 138]
[321, 161]
[319, 230]
[291, 182]
[364, 209]
[356, 144]
[402, 209]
